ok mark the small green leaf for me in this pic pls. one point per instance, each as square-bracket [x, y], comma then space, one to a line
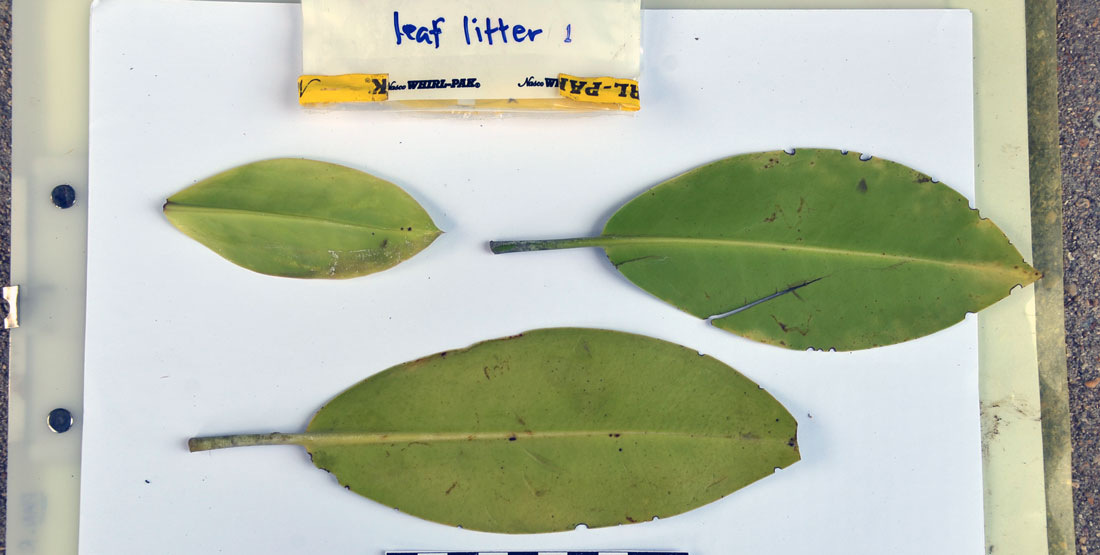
[303, 218]
[547, 430]
[818, 249]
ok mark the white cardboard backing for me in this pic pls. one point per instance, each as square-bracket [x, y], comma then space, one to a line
[183, 343]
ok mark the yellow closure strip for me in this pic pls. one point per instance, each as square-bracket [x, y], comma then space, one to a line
[600, 90]
[354, 87]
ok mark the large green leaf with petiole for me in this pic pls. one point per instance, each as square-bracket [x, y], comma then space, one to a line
[546, 430]
[816, 249]
[303, 218]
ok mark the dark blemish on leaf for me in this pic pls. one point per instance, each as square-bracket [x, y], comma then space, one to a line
[618, 264]
[789, 329]
[923, 179]
[512, 438]
[771, 218]
[443, 354]
[749, 436]
[384, 243]
[792, 442]
[862, 187]
[620, 449]
[486, 372]
[448, 492]
[628, 519]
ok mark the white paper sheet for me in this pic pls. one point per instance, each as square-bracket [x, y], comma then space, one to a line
[182, 343]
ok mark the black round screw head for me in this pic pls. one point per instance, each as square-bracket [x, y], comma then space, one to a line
[63, 196]
[60, 420]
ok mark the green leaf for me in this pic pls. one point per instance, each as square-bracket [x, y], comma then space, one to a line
[303, 218]
[546, 430]
[818, 249]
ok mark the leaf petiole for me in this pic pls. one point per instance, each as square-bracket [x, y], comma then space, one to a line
[196, 444]
[501, 247]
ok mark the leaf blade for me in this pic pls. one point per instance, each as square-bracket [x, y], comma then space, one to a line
[303, 218]
[550, 409]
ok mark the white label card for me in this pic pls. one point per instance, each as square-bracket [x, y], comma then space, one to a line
[466, 49]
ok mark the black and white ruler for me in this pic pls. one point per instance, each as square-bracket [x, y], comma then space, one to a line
[536, 553]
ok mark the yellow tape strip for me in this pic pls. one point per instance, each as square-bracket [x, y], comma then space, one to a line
[354, 87]
[600, 90]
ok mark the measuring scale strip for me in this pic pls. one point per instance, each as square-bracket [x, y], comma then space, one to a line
[536, 553]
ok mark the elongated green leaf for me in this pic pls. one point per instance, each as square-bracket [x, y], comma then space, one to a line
[303, 218]
[835, 252]
[547, 430]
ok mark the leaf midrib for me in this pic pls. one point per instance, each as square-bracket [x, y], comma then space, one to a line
[361, 438]
[611, 240]
[200, 208]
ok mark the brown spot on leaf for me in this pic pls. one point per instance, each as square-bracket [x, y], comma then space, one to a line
[862, 187]
[788, 329]
[448, 492]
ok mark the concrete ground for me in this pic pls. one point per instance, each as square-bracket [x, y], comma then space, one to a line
[1079, 111]
[1079, 122]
